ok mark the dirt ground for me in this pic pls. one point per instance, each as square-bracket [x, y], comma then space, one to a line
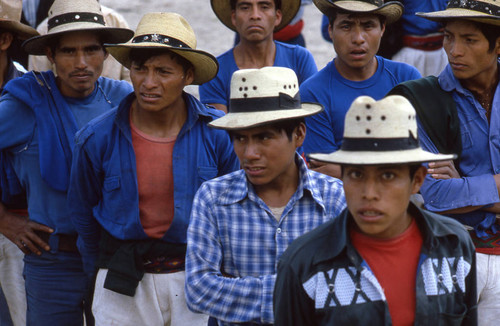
[212, 35]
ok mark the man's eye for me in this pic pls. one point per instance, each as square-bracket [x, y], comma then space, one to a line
[354, 174]
[388, 175]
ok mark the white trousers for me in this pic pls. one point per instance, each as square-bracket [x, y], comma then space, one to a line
[159, 300]
[427, 62]
[488, 289]
[12, 281]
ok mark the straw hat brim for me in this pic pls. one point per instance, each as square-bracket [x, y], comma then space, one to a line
[460, 13]
[222, 9]
[392, 10]
[205, 65]
[388, 157]
[37, 45]
[244, 120]
[22, 31]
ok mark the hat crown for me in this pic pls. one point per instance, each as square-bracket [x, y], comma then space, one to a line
[60, 9]
[391, 117]
[11, 10]
[264, 82]
[154, 27]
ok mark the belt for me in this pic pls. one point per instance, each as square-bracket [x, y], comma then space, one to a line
[429, 42]
[63, 242]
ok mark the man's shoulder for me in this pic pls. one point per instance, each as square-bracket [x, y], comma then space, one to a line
[319, 79]
[225, 189]
[446, 225]
[399, 69]
[302, 250]
[97, 128]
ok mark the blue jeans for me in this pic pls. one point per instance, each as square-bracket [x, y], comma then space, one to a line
[56, 288]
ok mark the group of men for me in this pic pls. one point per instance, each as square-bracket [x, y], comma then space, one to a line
[148, 206]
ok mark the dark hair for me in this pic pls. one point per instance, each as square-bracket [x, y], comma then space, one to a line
[413, 167]
[288, 125]
[491, 32]
[277, 4]
[139, 56]
[332, 14]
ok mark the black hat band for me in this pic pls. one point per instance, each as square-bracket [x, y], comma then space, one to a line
[379, 144]
[75, 17]
[260, 104]
[161, 39]
[486, 8]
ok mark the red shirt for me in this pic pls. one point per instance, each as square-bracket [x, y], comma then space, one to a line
[394, 263]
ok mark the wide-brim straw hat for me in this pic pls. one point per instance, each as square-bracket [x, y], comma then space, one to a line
[169, 31]
[10, 19]
[381, 132]
[222, 9]
[486, 11]
[75, 16]
[264, 96]
[391, 10]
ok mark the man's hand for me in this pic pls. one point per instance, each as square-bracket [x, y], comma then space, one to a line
[21, 231]
[330, 169]
[443, 170]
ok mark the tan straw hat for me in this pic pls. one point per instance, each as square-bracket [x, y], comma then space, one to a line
[381, 132]
[485, 11]
[263, 96]
[10, 19]
[169, 31]
[391, 10]
[222, 9]
[75, 15]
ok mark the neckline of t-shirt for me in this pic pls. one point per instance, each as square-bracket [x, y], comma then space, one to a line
[362, 83]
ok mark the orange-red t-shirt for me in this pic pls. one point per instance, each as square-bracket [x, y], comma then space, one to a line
[155, 181]
[394, 263]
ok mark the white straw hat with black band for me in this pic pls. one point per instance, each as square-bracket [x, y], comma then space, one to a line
[169, 31]
[484, 11]
[391, 10]
[72, 16]
[222, 9]
[381, 132]
[263, 96]
[10, 19]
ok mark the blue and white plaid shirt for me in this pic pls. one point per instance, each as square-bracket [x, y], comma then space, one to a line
[234, 242]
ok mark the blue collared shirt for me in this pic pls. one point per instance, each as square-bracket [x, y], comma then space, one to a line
[480, 158]
[103, 187]
[234, 242]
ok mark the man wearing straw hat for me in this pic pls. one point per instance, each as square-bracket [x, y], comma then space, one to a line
[11, 259]
[40, 115]
[241, 223]
[255, 21]
[468, 189]
[356, 28]
[135, 172]
[382, 261]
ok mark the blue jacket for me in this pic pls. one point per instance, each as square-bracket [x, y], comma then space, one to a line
[103, 186]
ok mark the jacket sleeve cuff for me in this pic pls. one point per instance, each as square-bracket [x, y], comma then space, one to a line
[267, 314]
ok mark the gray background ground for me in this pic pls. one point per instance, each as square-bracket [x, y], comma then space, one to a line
[211, 34]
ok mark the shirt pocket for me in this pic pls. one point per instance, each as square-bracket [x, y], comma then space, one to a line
[206, 173]
[112, 202]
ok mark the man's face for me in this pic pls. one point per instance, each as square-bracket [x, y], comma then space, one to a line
[377, 197]
[267, 155]
[468, 50]
[255, 20]
[159, 82]
[356, 39]
[78, 61]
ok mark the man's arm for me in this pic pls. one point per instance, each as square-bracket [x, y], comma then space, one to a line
[208, 288]
[446, 193]
[84, 194]
[21, 231]
[291, 304]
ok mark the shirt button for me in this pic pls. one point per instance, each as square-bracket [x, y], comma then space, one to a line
[278, 230]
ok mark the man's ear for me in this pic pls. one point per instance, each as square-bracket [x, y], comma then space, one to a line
[189, 76]
[6, 39]
[418, 179]
[279, 17]
[49, 54]
[299, 134]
